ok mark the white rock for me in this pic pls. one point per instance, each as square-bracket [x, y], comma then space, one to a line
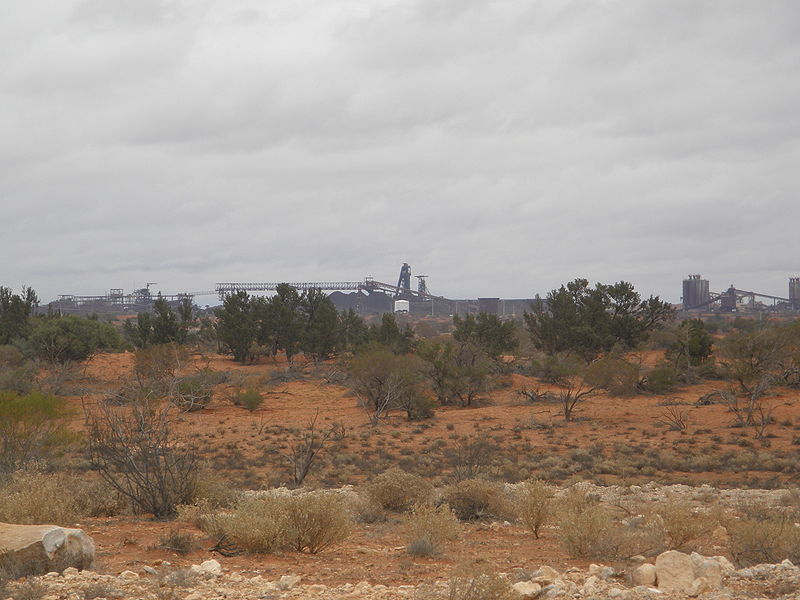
[129, 575]
[545, 575]
[727, 566]
[47, 545]
[698, 586]
[287, 582]
[210, 568]
[711, 571]
[674, 571]
[590, 585]
[527, 589]
[644, 575]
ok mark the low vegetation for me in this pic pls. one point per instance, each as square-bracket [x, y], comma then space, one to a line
[429, 528]
[309, 522]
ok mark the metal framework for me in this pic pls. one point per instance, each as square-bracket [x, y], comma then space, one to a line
[369, 286]
[117, 298]
[731, 297]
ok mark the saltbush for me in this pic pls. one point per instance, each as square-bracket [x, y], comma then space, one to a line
[309, 522]
[399, 491]
[477, 498]
[429, 528]
[534, 505]
[587, 528]
[250, 399]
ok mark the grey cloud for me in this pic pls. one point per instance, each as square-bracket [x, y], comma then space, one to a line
[501, 147]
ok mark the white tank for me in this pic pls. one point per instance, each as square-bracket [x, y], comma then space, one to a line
[401, 306]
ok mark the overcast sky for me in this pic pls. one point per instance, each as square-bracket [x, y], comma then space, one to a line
[500, 147]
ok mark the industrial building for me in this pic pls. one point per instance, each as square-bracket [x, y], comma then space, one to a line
[697, 296]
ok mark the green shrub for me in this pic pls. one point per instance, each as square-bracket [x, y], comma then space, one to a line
[477, 498]
[399, 491]
[614, 374]
[192, 393]
[32, 427]
[663, 378]
[249, 399]
[16, 374]
[71, 338]
[429, 528]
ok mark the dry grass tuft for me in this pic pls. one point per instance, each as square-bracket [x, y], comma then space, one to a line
[430, 528]
[587, 528]
[34, 498]
[477, 499]
[479, 583]
[309, 522]
[399, 491]
[534, 505]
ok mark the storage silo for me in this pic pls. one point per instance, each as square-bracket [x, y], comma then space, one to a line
[794, 292]
[695, 292]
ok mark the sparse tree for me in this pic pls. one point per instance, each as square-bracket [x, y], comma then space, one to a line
[304, 451]
[71, 338]
[235, 326]
[15, 313]
[288, 321]
[385, 382]
[487, 332]
[588, 321]
[136, 452]
[321, 328]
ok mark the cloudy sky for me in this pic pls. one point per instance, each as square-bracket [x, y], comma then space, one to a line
[500, 147]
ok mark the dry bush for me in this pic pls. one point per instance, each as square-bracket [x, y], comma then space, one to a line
[13, 567]
[763, 534]
[31, 498]
[33, 427]
[682, 524]
[177, 541]
[399, 491]
[101, 590]
[587, 528]
[477, 499]
[29, 590]
[430, 528]
[214, 489]
[156, 365]
[479, 583]
[256, 525]
[367, 510]
[534, 505]
[308, 522]
[316, 520]
[615, 374]
[204, 515]
[136, 452]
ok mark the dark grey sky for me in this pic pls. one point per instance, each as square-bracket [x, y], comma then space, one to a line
[501, 147]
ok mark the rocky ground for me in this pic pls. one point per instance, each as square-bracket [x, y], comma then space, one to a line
[675, 574]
